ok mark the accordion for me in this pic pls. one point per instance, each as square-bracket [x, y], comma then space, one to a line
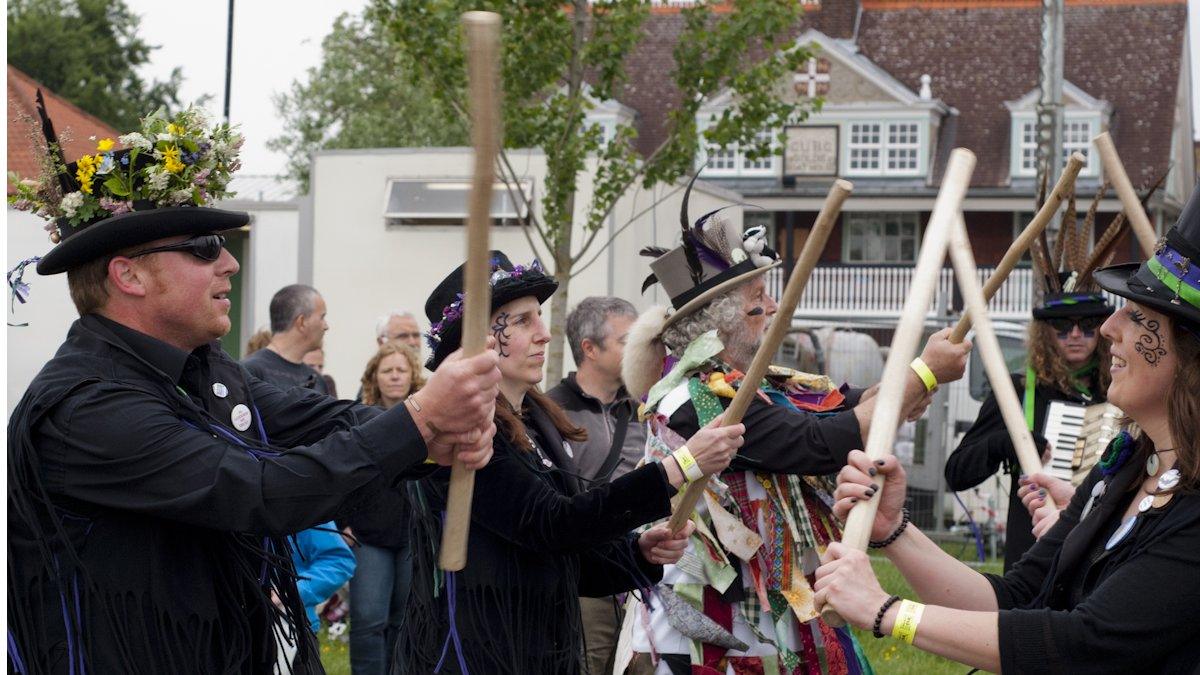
[1078, 435]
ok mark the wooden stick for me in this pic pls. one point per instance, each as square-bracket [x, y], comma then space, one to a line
[1021, 244]
[993, 357]
[814, 244]
[482, 33]
[890, 399]
[1142, 228]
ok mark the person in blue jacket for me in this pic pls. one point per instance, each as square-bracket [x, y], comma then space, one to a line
[324, 563]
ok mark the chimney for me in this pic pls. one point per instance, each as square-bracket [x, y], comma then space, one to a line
[926, 92]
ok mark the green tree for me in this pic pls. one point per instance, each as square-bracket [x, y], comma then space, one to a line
[362, 95]
[88, 52]
[561, 58]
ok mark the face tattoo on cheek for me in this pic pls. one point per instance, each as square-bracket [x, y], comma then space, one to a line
[1149, 344]
[500, 332]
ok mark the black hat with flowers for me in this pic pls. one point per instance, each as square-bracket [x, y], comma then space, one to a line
[157, 186]
[445, 304]
[1170, 281]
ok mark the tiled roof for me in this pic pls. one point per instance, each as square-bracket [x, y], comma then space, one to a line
[73, 126]
[263, 188]
[980, 54]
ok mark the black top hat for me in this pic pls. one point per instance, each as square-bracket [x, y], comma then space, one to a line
[118, 198]
[445, 303]
[1170, 281]
[1072, 304]
[714, 256]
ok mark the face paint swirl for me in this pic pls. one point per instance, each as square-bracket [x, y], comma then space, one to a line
[500, 332]
[1150, 343]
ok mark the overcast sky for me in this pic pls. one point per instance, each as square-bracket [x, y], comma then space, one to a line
[276, 42]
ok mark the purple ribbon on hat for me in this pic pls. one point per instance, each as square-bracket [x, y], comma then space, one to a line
[18, 288]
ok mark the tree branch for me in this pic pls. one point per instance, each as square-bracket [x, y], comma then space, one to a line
[632, 219]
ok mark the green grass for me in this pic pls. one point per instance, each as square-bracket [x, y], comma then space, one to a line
[888, 656]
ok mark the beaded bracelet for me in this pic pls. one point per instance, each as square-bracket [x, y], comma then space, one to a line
[895, 535]
[887, 604]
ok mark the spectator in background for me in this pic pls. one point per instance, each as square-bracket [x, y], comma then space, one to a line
[323, 564]
[595, 399]
[297, 327]
[380, 586]
[257, 341]
[397, 326]
[315, 359]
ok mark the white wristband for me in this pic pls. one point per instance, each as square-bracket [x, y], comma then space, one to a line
[691, 469]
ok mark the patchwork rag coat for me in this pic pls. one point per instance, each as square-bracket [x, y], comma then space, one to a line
[740, 600]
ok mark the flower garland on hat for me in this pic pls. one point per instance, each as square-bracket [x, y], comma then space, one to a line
[172, 160]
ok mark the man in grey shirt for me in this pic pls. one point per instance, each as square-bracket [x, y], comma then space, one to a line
[595, 398]
[297, 327]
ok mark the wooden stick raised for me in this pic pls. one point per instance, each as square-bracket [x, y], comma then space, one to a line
[809, 255]
[1022, 243]
[890, 400]
[1115, 170]
[991, 354]
[482, 33]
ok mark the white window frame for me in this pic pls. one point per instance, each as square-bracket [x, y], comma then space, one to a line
[885, 146]
[855, 218]
[770, 164]
[514, 215]
[1019, 144]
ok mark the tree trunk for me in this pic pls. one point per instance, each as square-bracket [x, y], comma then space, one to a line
[558, 305]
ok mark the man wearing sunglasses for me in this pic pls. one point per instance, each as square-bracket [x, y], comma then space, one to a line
[1065, 353]
[152, 477]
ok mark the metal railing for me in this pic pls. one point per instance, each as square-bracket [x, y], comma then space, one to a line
[875, 292]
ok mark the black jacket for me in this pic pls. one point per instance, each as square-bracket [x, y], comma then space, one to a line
[142, 514]
[986, 446]
[600, 420]
[536, 544]
[1069, 606]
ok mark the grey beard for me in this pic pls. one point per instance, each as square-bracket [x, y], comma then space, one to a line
[741, 349]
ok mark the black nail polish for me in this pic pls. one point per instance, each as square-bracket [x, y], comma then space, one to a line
[872, 471]
[880, 462]
[870, 493]
[854, 500]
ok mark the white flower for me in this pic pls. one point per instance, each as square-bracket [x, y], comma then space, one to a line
[71, 203]
[183, 196]
[135, 140]
[157, 178]
[165, 137]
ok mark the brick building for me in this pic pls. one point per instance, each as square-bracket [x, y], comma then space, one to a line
[906, 81]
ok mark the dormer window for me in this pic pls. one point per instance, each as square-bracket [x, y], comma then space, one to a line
[883, 149]
[1083, 118]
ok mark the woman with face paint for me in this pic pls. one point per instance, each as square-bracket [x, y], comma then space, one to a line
[1112, 587]
[540, 537]
[1065, 351]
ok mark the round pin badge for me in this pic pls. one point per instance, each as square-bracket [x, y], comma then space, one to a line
[1169, 479]
[547, 462]
[240, 417]
[1152, 464]
[1145, 504]
[220, 390]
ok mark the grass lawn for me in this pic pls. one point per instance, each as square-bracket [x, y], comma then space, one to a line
[887, 656]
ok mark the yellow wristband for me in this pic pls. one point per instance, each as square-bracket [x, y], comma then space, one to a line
[907, 620]
[687, 463]
[924, 373]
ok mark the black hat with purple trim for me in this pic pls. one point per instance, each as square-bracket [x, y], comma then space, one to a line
[1169, 282]
[445, 304]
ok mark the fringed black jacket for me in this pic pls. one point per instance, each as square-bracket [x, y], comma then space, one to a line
[537, 543]
[148, 490]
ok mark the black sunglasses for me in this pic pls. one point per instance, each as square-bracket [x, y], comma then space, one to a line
[1087, 324]
[205, 247]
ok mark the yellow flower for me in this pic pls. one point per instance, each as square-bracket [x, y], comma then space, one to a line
[175, 130]
[85, 169]
[105, 145]
[171, 161]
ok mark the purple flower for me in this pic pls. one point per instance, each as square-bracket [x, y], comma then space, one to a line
[115, 206]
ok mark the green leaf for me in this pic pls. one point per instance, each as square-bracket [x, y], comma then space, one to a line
[117, 186]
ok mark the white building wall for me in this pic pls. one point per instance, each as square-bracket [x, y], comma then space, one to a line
[274, 262]
[49, 311]
[364, 269]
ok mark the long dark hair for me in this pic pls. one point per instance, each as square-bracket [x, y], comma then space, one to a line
[509, 424]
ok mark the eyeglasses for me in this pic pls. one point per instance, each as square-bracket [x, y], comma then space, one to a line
[415, 335]
[205, 247]
[1087, 324]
